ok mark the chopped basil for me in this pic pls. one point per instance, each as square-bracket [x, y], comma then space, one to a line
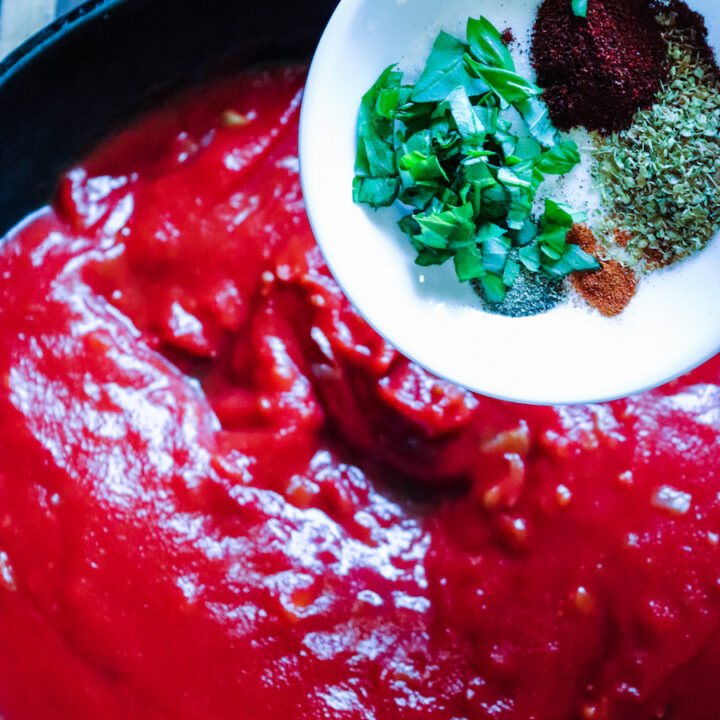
[468, 122]
[536, 116]
[512, 270]
[448, 149]
[378, 192]
[560, 159]
[487, 46]
[510, 87]
[493, 287]
[445, 70]
[530, 257]
[579, 8]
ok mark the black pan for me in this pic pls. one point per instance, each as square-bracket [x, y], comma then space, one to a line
[88, 73]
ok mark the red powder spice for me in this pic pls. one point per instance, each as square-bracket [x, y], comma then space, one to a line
[507, 36]
[621, 238]
[598, 71]
[608, 290]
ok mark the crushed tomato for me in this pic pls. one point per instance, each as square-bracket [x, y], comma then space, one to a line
[222, 496]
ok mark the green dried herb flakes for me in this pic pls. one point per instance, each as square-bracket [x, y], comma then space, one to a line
[660, 179]
[447, 149]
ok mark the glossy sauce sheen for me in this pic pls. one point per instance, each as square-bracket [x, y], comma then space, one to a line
[222, 496]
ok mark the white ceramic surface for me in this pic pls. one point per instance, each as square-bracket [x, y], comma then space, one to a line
[569, 355]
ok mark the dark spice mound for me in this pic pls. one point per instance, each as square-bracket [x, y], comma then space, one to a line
[598, 71]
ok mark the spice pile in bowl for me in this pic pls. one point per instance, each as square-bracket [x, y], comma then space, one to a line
[625, 91]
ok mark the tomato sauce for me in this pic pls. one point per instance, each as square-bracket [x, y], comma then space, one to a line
[222, 496]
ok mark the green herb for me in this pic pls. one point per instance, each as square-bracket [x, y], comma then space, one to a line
[559, 160]
[445, 70]
[487, 46]
[660, 178]
[447, 149]
[535, 113]
[579, 8]
[510, 87]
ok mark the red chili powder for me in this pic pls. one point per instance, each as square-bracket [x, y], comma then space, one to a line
[598, 71]
[608, 290]
[507, 36]
[621, 238]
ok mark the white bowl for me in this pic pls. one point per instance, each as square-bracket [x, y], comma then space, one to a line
[568, 355]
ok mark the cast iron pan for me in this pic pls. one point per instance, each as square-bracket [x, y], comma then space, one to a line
[82, 77]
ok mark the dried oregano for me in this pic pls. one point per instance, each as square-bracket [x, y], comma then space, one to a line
[660, 179]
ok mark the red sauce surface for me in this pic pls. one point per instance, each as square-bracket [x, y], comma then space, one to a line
[222, 496]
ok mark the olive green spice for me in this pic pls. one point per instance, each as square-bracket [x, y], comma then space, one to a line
[660, 178]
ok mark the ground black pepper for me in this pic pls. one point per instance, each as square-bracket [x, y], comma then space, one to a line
[598, 71]
[531, 294]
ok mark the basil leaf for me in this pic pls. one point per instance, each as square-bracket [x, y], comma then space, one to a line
[490, 230]
[422, 167]
[495, 202]
[493, 287]
[410, 227]
[378, 192]
[579, 260]
[418, 142]
[536, 116]
[553, 241]
[495, 253]
[506, 141]
[414, 116]
[519, 208]
[468, 263]
[527, 148]
[438, 229]
[512, 270]
[427, 257]
[486, 44]
[510, 179]
[489, 117]
[525, 235]
[558, 269]
[574, 259]
[388, 101]
[560, 159]
[478, 171]
[419, 196]
[557, 214]
[530, 257]
[445, 70]
[462, 236]
[510, 87]
[431, 239]
[375, 154]
[389, 79]
[579, 8]
[468, 123]
[551, 253]
[478, 168]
